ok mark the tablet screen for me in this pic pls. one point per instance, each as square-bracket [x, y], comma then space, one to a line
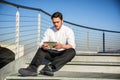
[51, 44]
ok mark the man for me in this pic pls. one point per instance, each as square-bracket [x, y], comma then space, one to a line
[63, 51]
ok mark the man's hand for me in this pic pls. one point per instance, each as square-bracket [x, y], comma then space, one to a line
[62, 46]
[59, 46]
[45, 46]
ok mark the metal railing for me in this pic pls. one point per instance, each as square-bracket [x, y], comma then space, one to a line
[24, 27]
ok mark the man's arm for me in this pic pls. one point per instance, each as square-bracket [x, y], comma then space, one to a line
[45, 38]
[62, 46]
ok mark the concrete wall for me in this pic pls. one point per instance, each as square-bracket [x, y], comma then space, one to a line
[15, 65]
[12, 47]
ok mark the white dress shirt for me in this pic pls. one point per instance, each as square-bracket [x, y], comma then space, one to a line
[64, 35]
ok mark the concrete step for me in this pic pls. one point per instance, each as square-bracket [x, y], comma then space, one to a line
[63, 75]
[89, 68]
[92, 60]
[84, 63]
[97, 58]
[90, 64]
[99, 69]
[95, 63]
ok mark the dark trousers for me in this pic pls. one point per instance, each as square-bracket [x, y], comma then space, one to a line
[57, 58]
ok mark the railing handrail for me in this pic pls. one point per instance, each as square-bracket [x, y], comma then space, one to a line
[25, 7]
[38, 9]
[103, 30]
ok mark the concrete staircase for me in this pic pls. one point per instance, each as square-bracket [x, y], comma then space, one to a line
[83, 66]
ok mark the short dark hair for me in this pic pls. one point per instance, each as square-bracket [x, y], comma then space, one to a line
[57, 14]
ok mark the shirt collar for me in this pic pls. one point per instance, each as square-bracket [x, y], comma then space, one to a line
[59, 29]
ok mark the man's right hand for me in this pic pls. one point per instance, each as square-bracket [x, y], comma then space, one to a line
[45, 46]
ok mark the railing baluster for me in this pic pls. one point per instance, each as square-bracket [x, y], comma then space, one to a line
[38, 40]
[103, 42]
[17, 33]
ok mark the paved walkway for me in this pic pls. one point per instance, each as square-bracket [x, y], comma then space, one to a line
[62, 75]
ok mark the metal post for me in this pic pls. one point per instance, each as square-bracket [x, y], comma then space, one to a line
[38, 36]
[103, 42]
[88, 44]
[17, 33]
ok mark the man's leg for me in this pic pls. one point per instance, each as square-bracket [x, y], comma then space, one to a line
[31, 70]
[59, 59]
[38, 58]
[47, 70]
[64, 57]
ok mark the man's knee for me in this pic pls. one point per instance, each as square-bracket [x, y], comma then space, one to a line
[71, 51]
[40, 52]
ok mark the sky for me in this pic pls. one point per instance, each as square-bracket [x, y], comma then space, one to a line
[101, 14]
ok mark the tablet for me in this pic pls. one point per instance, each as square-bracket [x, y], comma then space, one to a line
[51, 44]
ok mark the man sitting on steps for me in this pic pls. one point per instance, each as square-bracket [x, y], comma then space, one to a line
[63, 51]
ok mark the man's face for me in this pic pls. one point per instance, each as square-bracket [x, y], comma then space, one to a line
[57, 22]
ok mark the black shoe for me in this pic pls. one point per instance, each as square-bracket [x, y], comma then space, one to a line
[27, 72]
[47, 70]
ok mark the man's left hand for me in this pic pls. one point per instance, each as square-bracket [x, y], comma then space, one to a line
[59, 46]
